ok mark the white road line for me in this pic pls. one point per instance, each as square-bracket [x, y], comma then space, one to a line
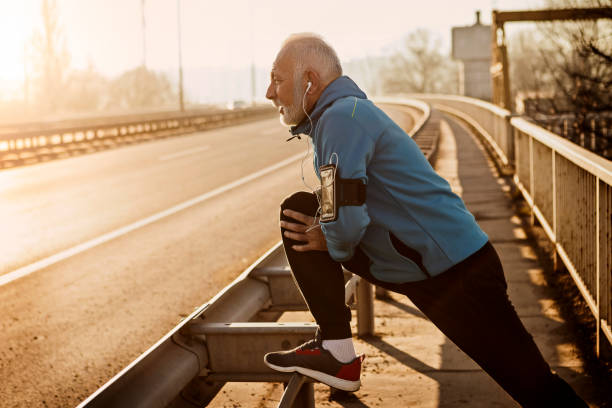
[184, 153]
[43, 263]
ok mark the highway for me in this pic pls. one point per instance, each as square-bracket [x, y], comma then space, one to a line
[103, 253]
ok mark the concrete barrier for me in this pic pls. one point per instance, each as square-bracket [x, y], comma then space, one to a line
[28, 143]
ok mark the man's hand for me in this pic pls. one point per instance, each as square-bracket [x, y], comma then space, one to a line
[313, 237]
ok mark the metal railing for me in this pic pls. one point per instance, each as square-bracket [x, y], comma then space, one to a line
[225, 340]
[567, 187]
[23, 142]
[597, 138]
[570, 192]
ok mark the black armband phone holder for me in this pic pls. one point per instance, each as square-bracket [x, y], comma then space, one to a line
[336, 192]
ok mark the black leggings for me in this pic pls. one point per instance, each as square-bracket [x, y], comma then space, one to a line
[468, 303]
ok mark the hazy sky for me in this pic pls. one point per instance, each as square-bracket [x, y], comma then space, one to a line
[226, 33]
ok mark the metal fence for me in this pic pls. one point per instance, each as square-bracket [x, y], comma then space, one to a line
[225, 339]
[596, 138]
[567, 187]
[25, 143]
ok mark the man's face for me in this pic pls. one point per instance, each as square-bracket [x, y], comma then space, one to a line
[285, 91]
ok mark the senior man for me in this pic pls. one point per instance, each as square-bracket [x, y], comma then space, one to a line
[383, 213]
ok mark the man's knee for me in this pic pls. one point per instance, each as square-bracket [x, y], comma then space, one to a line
[302, 201]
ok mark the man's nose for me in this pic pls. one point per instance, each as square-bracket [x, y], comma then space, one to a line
[270, 92]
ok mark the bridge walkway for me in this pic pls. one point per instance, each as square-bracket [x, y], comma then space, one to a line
[409, 362]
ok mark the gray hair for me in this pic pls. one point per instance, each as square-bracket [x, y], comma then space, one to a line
[312, 52]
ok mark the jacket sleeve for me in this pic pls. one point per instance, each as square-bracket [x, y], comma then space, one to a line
[342, 134]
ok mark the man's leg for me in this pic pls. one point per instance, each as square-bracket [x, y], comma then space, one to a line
[330, 357]
[318, 276]
[470, 305]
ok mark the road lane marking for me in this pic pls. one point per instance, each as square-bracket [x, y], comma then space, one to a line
[184, 153]
[45, 262]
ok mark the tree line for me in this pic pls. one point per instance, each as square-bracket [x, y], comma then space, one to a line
[562, 73]
[52, 88]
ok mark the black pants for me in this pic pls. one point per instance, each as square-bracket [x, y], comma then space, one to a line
[468, 303]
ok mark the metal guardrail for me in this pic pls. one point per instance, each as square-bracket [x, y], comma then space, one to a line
[225, 339]
[21, 143]
[568, 188]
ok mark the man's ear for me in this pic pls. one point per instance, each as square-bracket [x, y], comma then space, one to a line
[315, 82]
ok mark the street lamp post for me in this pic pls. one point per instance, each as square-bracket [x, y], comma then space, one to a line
[180, 56]
[144, 38]
[253, 72]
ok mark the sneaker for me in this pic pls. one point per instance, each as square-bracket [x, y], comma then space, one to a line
[312, 360]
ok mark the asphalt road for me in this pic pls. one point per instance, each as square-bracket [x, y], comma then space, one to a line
[111, 252]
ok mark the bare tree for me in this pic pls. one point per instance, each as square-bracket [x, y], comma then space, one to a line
[141, 88]
[51, 59]
[569, 72]
[85, 91]
[57, 90]
[421, 67]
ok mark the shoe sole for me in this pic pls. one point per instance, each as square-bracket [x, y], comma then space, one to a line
[327, 379]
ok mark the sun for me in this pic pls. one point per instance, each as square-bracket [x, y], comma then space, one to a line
[18, 21]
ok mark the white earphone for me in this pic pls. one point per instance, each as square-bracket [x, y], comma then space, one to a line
[309, 85]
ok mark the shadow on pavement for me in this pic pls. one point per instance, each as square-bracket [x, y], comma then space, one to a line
[404, 307]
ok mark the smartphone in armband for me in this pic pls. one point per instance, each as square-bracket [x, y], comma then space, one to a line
[329, 208]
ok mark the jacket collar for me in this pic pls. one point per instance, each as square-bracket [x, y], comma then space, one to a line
[339, 88]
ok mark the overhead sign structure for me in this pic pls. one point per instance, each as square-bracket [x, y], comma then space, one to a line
[472, 46]
[499, 65]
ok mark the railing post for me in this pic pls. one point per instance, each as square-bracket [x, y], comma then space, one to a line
[365, 308]
[298, 393]
[603, 345]
[517, 162]
[556, 259]
[509, 141]
[597, 270]
[306, 397]
[531, 180]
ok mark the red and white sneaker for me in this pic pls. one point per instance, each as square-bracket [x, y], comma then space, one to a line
[312, 360]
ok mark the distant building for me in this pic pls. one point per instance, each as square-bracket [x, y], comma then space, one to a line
[472, 46]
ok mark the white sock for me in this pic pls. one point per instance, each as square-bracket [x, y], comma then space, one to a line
[341, 349]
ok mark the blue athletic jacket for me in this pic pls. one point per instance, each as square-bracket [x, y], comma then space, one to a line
[405, 196]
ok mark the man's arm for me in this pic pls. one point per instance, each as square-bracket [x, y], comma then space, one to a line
[341, 134]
